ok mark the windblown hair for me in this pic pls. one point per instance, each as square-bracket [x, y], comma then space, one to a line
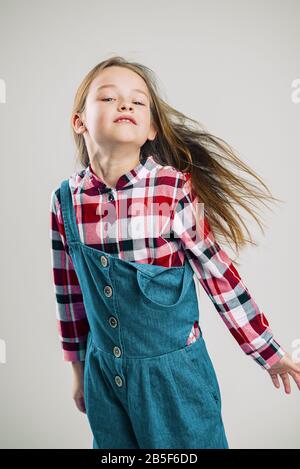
[194, 150]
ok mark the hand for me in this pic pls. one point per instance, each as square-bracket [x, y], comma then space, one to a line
[283, 368]
[78, 389]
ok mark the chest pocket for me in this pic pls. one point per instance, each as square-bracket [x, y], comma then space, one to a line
[163, 287]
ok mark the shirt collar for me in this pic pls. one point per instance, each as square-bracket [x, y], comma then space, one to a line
[91, 181]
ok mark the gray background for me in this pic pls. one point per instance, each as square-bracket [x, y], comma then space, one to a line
[228, 64]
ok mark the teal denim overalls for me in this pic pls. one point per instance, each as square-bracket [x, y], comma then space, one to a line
[143, 386]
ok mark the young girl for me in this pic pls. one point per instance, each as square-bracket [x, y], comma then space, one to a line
[131, 234]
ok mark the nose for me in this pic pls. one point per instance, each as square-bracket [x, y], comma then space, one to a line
[125, 107]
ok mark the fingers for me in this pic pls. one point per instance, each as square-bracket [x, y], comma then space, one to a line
[287, 368]
[296, 377]
[82, 406]
[275, 380]
[79, 401]
[295, 366]
[286, 382]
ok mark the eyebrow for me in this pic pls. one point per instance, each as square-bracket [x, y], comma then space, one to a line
[115, 86]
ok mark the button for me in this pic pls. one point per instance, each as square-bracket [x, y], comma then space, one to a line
[107, 290]
[110, 197]
[118, 380]
[113, 321]
[104, 261]
[117, 351]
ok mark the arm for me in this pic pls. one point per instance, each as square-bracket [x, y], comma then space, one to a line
[72, 322]
[221, 281]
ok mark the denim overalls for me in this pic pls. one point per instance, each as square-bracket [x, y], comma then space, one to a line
[144, 387]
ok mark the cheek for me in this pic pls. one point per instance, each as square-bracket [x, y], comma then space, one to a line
[97, 117]
[145, 119]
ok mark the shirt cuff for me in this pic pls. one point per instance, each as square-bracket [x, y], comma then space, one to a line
[78, 354]
[269, 355]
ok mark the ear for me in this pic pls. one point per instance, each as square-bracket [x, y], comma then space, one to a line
[78, 124]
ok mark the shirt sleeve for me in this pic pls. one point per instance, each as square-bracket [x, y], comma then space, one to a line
[221, 281]
[71, 318]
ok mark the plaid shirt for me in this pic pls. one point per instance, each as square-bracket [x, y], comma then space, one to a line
[130, 235]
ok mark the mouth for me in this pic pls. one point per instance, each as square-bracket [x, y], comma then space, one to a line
[125, 120]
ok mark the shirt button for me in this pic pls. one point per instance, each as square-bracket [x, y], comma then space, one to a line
[110, 197]
[118, 380]
[104, 261]
[117, 351]
[107, 290]
[113, 321]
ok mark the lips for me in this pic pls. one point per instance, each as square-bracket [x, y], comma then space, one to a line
[130, 118]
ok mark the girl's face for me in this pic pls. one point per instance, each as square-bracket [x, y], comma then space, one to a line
[114, 92]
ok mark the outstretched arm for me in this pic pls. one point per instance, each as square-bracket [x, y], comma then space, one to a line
[223, 284]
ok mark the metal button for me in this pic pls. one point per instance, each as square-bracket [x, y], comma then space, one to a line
[110, 197]
[107, 290]
[104, 261]
[118, 380]
[117, 351]
[113, 321]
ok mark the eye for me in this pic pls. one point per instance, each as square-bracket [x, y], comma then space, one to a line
[138, 102]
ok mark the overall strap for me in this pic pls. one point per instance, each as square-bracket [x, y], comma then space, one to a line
[68, 213]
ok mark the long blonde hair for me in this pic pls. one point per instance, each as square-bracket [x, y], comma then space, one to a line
[192, 150]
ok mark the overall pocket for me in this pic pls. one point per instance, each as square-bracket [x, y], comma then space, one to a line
[197, 358]
[163, 287]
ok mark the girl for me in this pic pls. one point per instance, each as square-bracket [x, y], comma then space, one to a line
[130, 234]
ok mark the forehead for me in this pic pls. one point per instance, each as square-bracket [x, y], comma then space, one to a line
[119, 78]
